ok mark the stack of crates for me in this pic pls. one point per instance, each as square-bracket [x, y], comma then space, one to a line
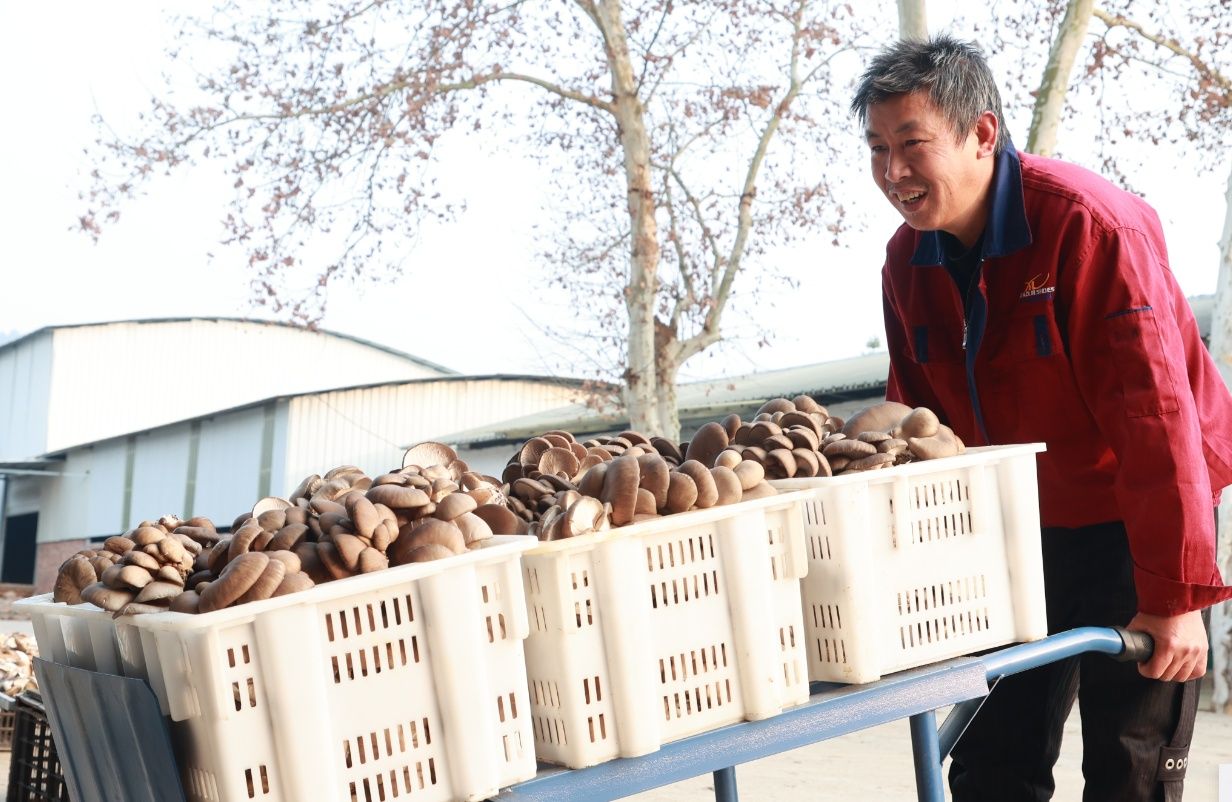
[34, 767]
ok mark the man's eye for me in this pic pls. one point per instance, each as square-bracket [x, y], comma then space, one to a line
[878, 148]
[914, 142]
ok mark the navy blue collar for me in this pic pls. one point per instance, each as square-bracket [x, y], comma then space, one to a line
[1006, 229]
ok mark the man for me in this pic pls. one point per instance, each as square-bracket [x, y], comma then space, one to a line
[1029, 300]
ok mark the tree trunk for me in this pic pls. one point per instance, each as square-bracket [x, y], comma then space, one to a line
[1221, 351]
[641, 390]
[912, 21]
[1050, 100]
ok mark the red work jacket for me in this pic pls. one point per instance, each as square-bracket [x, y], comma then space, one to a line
[1077, 335]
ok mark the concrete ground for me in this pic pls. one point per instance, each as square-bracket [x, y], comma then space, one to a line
[875, 765]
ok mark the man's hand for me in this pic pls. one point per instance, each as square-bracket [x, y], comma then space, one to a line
[1180, 646]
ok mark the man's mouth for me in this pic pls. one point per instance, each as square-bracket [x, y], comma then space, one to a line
[909, 199]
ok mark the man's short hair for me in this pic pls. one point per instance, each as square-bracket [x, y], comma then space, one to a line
[952, 72]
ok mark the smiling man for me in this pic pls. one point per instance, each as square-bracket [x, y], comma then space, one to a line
[1029, 300]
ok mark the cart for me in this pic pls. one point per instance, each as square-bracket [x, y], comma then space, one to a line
[114, 744]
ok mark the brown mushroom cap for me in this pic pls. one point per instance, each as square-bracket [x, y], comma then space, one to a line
[945, 443]
[329, 557]
[759, 490]
[427, 553]
[371, 560]
[533, 450]
[707, 442]
[187, 602]
[398, 497]
[109, 599]
[727, 485]
[266, 583]
[871, 463]
[235, 580]
[776, 405]
[500, 519]
[585, 515]
[681, 492]
[882, 416]
[920, 422]
[654, 470]
[119, 544]
[158, 591]
[294, 583]
[559, 461]
[426, 532]
[427, 454]
[781, 462]
[620, 486]
[852, 449]
[270, 504]
[808, 461]
[667, 449]
[287, 537]
[74, 575]
[362, 513]
[806, 403]
[591, 483]
[707, 492]
[750, 474]
[241, 540]
[454, 505]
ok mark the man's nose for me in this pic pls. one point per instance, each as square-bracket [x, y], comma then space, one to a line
[895, 167]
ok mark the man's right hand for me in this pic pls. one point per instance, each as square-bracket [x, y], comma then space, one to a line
[1180, 646]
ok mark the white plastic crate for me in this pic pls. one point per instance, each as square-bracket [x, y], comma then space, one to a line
[655, 631]
[83, 636]
[921, 562]
[408, 682]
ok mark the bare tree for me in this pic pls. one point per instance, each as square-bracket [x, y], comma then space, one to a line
[912, 19]
[1050, 98]
[689, 138]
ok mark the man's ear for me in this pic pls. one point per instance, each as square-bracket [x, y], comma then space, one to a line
[986, 127]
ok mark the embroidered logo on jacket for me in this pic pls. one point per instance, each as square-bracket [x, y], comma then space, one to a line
[1035, 289]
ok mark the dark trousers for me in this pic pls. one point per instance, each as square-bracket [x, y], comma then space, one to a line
[1131, 726]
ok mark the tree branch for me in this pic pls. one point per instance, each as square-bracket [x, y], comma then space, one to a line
[1115, 20]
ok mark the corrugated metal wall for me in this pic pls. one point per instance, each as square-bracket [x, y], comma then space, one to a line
[219, 466]
[25, 391]
[116, 378]
[229, 465]
[370, 428]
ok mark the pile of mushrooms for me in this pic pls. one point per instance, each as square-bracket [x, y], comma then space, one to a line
[799, 438]
[331, 527]
[562, 488]
[17, 655]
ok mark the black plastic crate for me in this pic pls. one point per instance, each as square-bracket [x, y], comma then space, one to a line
[7, 714]
[34, 767]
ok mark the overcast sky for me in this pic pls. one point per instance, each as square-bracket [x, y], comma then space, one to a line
[473, 302]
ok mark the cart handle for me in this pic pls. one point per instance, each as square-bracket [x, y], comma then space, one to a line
[1139, 646]
[1116, 642]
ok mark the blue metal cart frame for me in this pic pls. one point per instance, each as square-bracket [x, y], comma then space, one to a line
[834, 710]
[114, 745]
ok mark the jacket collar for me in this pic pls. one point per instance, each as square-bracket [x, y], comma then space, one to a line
[1007, 229]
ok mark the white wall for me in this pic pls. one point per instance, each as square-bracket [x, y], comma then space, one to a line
[25, 386]
[116, 378]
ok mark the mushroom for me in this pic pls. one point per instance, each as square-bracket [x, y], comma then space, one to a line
[883, 416]
[706, 444]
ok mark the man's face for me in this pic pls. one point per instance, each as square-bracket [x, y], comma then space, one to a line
[935, 180]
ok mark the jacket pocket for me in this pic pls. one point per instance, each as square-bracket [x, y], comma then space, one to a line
[1137, 352]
